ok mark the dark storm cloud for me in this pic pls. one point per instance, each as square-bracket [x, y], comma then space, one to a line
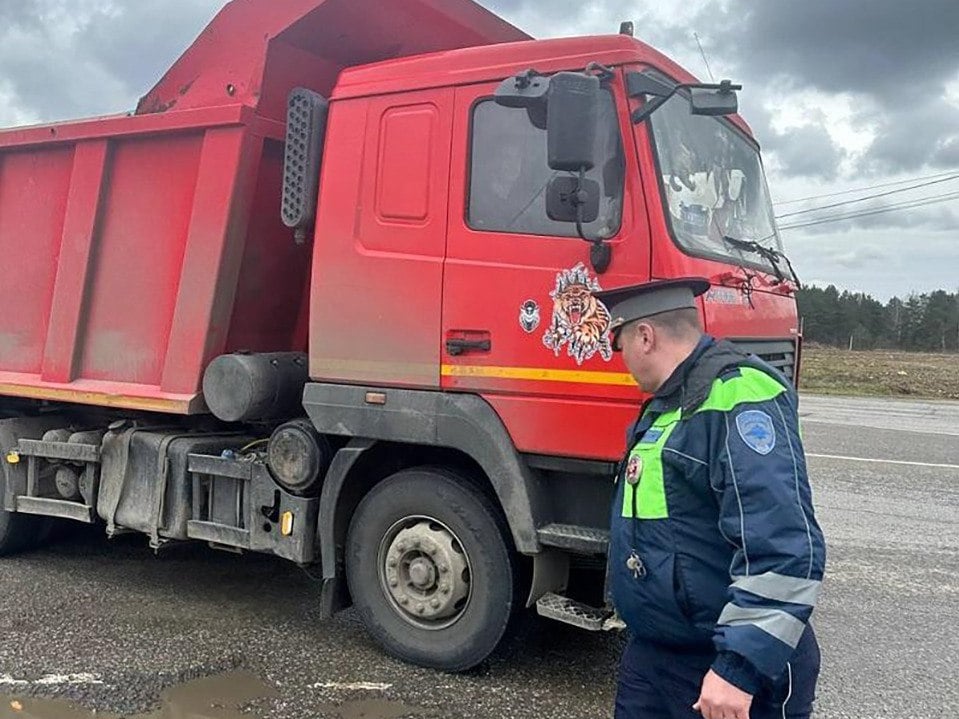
[927, 134]
[893, 58]
[808, 151]
[889, 49]
[22, 13]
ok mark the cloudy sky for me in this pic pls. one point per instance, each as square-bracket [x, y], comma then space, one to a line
[842, 94]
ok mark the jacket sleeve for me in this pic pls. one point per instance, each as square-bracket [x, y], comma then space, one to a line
[766, 512]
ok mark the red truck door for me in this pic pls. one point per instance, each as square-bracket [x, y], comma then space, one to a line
[520, 323]
[378, 261]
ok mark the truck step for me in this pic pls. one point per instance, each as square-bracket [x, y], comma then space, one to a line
[61, 508]
[575, 538]
[569, 611]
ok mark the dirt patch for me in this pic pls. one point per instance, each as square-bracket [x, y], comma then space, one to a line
[878, 373]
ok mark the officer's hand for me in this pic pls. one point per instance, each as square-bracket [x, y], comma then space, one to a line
[721, 700]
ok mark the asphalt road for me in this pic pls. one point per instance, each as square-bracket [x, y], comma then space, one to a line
[109, 627]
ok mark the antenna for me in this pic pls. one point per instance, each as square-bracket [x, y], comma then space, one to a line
[703, 53]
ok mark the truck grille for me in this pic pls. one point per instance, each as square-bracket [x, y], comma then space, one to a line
[781, 354]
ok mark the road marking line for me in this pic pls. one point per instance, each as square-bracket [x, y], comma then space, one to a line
[883, 461]
[53, 680]
[853, 423]
[353, 686]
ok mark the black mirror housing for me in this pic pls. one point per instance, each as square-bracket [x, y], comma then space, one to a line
[565, 196]
[643, 83]
[572, 115]
[704, 98]
[713, 102]
[526, 90]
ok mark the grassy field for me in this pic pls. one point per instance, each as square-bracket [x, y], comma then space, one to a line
[878, 373]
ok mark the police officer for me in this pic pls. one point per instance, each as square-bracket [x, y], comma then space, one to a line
[715, 558]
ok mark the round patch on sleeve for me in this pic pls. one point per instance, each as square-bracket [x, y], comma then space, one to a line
[757, 430]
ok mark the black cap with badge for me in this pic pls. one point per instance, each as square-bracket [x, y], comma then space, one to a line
[636, 302]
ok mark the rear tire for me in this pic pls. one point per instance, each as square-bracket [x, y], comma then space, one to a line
[431, 569]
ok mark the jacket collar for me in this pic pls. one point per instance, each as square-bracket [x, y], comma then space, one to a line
[677, 379]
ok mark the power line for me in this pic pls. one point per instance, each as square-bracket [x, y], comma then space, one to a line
[908, 204]
[864, 189]
[877, 211]
[869, 197]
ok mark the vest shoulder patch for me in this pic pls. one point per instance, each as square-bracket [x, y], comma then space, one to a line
[652, 435]
[757, 430]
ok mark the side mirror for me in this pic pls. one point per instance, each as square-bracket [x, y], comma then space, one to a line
[704, 98]
[305, 130]
[572, 115]
[569, 199]
[714, 102]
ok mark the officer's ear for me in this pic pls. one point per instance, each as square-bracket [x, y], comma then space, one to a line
[645, 333]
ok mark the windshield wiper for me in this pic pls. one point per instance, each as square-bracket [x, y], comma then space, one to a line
[767, 253]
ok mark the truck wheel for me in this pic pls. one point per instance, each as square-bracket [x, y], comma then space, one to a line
[431, 569]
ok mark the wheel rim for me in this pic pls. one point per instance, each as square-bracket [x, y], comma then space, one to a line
[425, 572]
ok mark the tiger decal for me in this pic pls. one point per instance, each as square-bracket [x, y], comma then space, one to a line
[580, 321]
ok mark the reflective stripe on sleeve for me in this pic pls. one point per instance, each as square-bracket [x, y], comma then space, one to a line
[780, 587]
[784, 627]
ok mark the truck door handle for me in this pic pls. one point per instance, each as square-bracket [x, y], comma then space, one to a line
[458, 346]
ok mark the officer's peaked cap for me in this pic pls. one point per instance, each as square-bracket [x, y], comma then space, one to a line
[636, 302]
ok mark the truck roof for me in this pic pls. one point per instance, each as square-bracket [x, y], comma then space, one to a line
[492, 62]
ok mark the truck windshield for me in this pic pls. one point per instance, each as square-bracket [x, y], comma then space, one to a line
[714, 186]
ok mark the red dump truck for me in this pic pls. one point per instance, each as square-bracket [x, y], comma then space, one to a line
[328, 293]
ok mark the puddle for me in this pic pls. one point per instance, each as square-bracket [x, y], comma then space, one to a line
[370, 709]
[22, 708]
[217, 697]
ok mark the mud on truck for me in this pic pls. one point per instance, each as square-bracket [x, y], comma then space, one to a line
[328, 294]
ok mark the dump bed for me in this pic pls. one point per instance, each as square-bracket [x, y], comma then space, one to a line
[137, 248]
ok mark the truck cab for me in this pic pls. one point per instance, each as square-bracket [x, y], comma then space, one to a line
[453, 240]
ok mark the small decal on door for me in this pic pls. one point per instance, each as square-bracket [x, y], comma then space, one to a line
[580, 321]
[726, 296]
[529, 316]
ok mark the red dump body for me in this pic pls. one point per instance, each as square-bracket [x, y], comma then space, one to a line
[137, 248]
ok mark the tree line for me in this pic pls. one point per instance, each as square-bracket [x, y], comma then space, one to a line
[920, 322]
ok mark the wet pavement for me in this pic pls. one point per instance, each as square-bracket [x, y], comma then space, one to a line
[96, 625]
[215, 697]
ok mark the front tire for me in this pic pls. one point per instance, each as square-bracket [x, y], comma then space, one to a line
[431, 569]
